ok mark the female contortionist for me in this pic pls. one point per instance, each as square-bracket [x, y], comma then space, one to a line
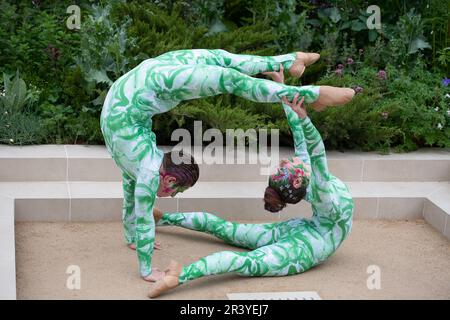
[283, 248]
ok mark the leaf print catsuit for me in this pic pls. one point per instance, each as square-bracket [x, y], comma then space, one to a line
[156, 86]
[283, 248]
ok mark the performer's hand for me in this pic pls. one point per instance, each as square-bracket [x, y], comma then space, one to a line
[277, 76]
[155, 275]
[297, 106]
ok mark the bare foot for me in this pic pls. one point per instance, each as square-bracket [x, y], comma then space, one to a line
[332, 96]
[170, 280]
[155, 276]
[302, 60]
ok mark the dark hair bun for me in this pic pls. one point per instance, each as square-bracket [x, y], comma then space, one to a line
[272, 200]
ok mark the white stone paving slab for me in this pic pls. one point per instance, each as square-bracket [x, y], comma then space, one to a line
[299, 295]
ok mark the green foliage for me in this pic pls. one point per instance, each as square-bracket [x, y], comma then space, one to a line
[36, 41]
[18, 125]
[15, 96]
[288, 23]
[444, 57]
[404, 112]
[102, 59]
[406, 38]
[65, 74]
[61, 124]
[156, 31]
[103, 47]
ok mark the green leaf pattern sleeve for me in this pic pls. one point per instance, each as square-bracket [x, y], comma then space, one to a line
[146, 190]
[297, 133]
[316, 150]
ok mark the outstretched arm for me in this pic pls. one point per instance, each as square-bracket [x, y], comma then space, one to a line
[145, 194]
[292, 118]
[297, 133]
[128, 215]
[314, 145]
[316, 151]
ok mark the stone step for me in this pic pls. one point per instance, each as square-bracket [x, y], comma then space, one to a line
[93, 163]
[86, 201]
[437, 210]
[7, 250]
[102, 201]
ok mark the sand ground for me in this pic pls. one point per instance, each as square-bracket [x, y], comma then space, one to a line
[413, 258]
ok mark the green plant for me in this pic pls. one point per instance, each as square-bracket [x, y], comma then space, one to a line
[402, 111]
[406, 39]
[35, 41]
[287, 20]
[62, 125]
[68, 72]
[444, 57]
[103, 46]
[18, 125]
[15, 95]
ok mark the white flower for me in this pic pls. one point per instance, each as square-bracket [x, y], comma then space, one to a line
[11, 140]
[436, 109]
[447, 95]
[448, 112]
[440, 126]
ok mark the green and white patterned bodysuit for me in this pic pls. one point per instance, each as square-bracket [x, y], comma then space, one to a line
[284, 248]
[157, 85]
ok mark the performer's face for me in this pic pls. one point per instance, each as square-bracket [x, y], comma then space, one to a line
[297, 168]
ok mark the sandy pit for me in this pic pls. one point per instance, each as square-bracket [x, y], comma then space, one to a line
[413, 258]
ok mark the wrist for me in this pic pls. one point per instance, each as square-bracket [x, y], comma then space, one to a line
[305, 119]
[146, 273]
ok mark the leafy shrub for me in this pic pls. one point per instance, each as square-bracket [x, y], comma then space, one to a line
[18, 125]
[68, 72]
[405, 111]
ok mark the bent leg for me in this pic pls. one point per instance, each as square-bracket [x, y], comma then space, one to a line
[244, 63]
[282, 258]
[249, 236]
[291, 255]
